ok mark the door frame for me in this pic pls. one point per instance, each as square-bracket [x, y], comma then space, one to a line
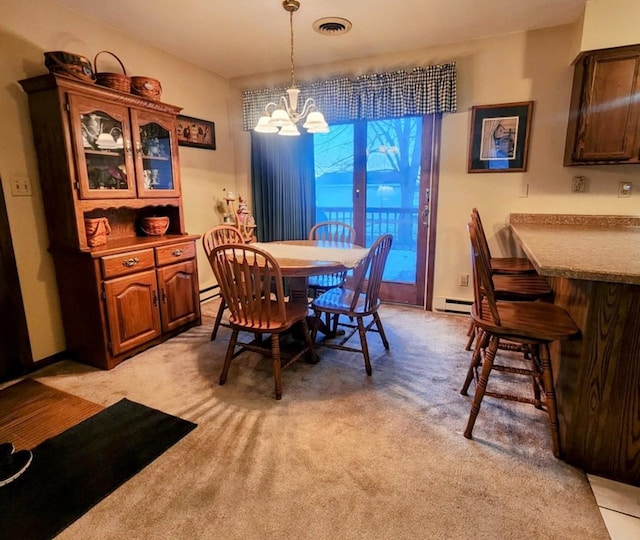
[422, 293]
[16, 356]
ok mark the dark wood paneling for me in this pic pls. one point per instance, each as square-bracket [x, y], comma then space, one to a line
[599, 378]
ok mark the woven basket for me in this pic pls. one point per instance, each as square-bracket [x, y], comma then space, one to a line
[97, 230]
[154, 225]
[146, 87]
[115, 81]
[70, 64]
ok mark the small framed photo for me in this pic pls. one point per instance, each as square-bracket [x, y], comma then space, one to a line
[500, 137]
[196, 132]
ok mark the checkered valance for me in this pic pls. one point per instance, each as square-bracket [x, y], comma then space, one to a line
[423, 90]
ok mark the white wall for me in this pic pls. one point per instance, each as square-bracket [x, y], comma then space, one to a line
[518, 67]
[610, 23]
[27, 29]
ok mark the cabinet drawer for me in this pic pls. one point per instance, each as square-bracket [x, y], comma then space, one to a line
[127, 263]
[175, 253]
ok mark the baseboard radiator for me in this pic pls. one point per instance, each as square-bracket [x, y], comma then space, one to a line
[452, 305]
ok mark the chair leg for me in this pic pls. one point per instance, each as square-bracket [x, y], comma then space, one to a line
[315, 325]
[334, 328]
[380, 328]
[216, 324]
[550, 398]
[227, 359]
[481, 387]
[472, 336]
[532, 352]
[277, 367]
[312, 357]
[481, 344]
[364, 345]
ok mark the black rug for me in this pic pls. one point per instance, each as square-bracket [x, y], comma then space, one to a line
[75, 470]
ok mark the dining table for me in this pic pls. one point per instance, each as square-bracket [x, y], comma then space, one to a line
[301, 259]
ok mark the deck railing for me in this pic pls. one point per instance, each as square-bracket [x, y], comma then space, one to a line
[402, 223]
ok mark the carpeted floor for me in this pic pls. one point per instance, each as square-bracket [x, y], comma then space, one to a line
[342, 456]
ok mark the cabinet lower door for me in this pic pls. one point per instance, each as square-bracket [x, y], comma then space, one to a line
[132, 310]
[179, 297]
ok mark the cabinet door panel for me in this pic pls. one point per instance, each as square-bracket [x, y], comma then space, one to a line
[102, 139]
[179, 297]
[132, 310]
[609, 127]
[157, 169]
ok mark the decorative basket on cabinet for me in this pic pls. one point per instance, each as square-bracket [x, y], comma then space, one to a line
[116, 81]
[154, 225]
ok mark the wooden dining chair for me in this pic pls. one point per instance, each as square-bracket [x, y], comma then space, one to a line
[514, 278]
[335, 232]
[531, 324]
[251, 283]
[357, 299]
[216, 236]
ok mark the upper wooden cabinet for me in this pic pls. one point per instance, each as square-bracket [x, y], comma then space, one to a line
[604, 119]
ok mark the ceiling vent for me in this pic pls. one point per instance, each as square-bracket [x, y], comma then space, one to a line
[332, 26]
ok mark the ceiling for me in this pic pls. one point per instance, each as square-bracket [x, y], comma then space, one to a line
[252, 37]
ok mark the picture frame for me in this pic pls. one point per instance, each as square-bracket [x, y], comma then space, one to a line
[499, 140]
[196, 132]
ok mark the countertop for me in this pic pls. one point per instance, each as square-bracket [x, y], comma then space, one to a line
[595, 248]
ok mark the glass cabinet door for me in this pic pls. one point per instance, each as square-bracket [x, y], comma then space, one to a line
[102, 141]
[157, 172]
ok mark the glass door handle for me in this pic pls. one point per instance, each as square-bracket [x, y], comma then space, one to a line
[425, 215]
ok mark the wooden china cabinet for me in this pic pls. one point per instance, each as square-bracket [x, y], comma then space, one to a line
[108, 154]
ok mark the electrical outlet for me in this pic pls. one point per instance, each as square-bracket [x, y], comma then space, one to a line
[579, 184]
[625, 189]
[21, 186]
[463, 280]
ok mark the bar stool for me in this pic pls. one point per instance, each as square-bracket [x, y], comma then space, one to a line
[531, 324]
[514, 278]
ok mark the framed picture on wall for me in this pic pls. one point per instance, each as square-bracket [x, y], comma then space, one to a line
[499, 139]
[196, 132]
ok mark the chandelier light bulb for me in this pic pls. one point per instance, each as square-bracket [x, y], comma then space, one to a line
[264, 125]
[290, 130]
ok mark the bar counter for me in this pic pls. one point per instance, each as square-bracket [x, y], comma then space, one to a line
[593, 266]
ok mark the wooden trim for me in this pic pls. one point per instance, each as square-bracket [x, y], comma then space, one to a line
[15, 348]
[50, 81]
[434, 183]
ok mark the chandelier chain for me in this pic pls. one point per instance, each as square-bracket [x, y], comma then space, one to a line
[293, 76]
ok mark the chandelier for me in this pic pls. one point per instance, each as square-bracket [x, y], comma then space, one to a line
[282, 117]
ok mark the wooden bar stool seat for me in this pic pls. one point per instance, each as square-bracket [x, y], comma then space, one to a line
[512, 265]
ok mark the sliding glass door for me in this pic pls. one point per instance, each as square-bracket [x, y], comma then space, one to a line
[371, 174]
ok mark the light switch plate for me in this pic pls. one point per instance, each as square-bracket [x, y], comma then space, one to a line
[21, 186]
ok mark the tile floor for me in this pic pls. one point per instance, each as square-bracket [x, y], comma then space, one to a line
[619, 505]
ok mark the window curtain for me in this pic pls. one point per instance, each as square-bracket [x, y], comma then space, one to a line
[282, 168]
[423, 90]
[283, 186]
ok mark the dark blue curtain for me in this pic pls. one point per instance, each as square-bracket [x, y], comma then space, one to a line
[283, 186]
